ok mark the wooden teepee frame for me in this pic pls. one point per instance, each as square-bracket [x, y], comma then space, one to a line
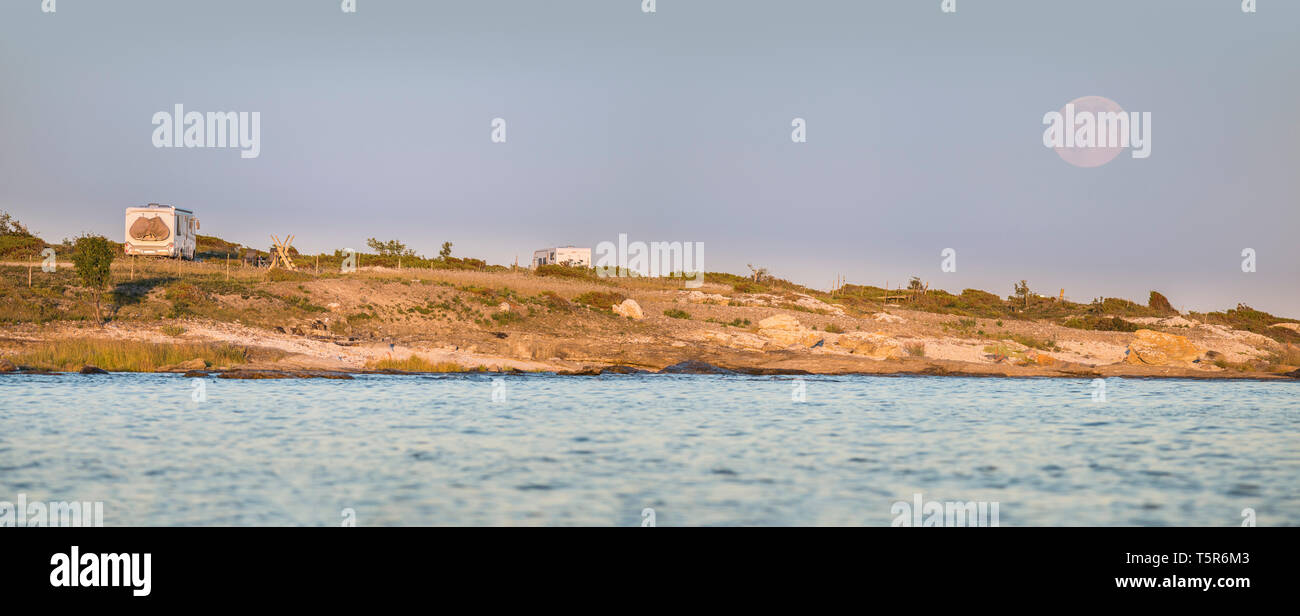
[281, 255]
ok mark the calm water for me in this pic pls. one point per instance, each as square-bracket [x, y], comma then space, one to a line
[700, 450]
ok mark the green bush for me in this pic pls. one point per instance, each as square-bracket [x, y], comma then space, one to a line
[93, 258]
[564, 271]
[20, 247]
[1160, 303]
[599, 299]
[1101, 324]
[506, 318]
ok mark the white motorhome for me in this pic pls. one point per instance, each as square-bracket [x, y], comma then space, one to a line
[562, 255]
[161, 231]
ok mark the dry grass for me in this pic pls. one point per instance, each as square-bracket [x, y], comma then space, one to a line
[175, 331]
[416, 363]
[124, 355]
[1289, 355]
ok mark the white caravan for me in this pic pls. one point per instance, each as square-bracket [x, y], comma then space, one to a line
[161, 231]
[562, 255]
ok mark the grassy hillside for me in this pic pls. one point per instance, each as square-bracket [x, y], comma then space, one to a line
[154, 289]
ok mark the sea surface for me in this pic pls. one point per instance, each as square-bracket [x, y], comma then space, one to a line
[486, 449]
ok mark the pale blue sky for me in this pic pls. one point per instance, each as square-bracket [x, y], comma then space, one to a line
[924, 132]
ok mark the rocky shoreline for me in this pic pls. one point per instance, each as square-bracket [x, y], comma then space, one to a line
[698, 367]
[518, 323]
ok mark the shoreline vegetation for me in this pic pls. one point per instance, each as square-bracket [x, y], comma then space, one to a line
[400, 313]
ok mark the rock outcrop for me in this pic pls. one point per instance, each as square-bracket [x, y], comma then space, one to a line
[698, 297]
[693, 366]
[1041, 359]
[785, 330]
[1153, 348]
[738, 340]
[630, 309]
[875, 346]
[88, 369]
[186, 366]
[245, 374]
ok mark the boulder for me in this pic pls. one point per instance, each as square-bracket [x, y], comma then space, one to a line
[816, 305]
[781, 322]
[1040, 359]
[89, 369]
[875, 346]
[630, 309]
[197, 363]
[786, 330]
[1153, 348]
[7, 366]
[186, 366]
[885, 317]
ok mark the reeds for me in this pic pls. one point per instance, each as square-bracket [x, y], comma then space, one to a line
[124, 355]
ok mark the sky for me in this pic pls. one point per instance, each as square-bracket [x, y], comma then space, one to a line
[924, 132]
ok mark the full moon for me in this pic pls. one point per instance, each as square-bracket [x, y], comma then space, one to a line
[1090, 156]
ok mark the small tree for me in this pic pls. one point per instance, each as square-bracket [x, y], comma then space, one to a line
[10, 226]
[758, 274]
[93, 257]
[391, 248]
[445, 253]
[1022, 290]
